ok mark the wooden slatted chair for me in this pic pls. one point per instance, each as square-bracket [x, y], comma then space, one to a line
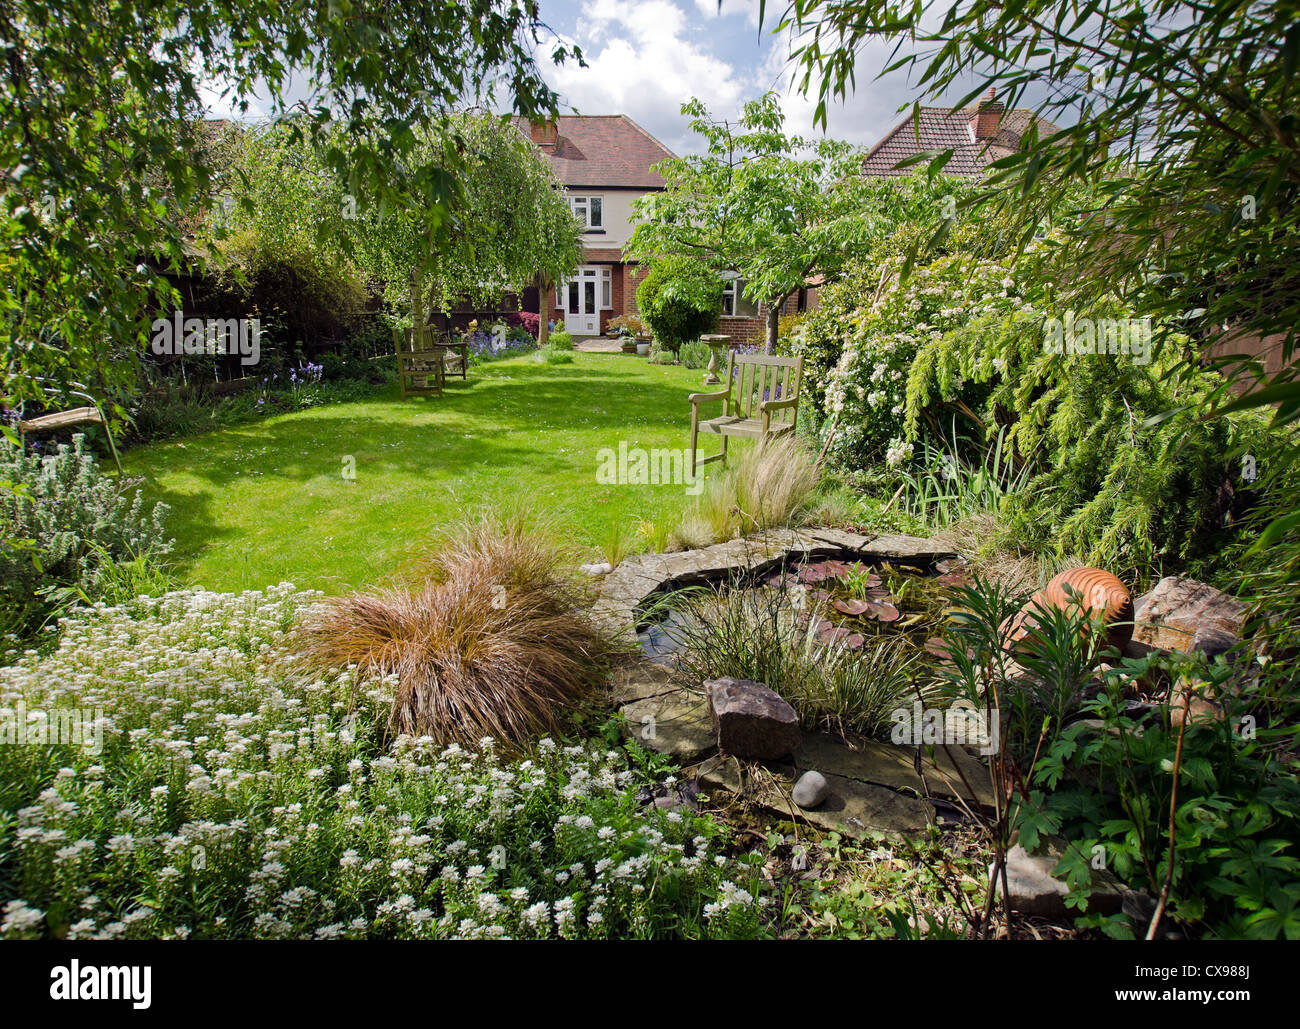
[424, 371]
[760, 401]
[56, 420]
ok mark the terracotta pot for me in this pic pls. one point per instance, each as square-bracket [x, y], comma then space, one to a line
[1093, 590]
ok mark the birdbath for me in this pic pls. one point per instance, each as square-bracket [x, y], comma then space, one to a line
[714, 342]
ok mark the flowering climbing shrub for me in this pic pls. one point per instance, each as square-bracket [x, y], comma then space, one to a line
[234, 795]
[860, 342]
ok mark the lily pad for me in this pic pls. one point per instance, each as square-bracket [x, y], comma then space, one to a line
[851, 606]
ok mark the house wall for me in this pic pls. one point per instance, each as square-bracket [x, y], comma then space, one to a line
[616, 214]
[751, 331]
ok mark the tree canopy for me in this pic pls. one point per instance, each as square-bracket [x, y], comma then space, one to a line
[773, 208]
[101, 112]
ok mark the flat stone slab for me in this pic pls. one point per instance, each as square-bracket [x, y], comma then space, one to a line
[1032, 889]
[884, 764]
[851, 808]
[898, 547]
[638, 579]
[663, 716]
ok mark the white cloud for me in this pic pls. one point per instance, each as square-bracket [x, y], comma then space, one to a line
[747, 9]
[644, 60]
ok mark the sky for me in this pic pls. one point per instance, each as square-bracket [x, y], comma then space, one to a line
[646, 57]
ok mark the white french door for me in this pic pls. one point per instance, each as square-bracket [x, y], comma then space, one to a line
[583, 297]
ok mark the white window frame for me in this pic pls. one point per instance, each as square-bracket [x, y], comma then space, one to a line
[733, 295]
[582, 208]
[604, 278]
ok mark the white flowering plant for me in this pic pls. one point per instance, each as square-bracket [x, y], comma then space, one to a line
[237, 796]
[860, 344]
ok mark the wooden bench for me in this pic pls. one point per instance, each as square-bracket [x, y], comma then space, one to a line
[424, 372]
[56, 420]
[760, 401]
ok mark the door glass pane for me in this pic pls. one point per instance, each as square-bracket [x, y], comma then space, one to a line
[606, 298]
[573, 298]
[589, 297]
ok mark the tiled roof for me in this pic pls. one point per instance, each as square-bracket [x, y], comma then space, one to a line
[603, 150]
[938, 129]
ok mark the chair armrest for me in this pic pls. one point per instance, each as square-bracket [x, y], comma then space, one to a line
[776, 405]
[699, 398]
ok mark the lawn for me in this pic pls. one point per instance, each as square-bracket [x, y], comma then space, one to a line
[267, 501]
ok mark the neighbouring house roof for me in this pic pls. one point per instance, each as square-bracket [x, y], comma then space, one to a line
[602, 150]
[977, 136]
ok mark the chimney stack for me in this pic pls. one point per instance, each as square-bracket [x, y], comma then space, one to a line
[986, 119]
[544, 133]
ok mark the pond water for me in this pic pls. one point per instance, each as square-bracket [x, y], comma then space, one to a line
[847, 602]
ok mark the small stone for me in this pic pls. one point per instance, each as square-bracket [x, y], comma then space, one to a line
[811, 789]
[751, 721]
[596, 570]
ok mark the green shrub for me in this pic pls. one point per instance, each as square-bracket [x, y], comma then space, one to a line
[63, 522]
[1100, 772]
[694, 354]
[680, 300]
[559, 338]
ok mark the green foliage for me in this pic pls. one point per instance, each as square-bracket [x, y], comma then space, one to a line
[1180, 118]
[694, 355]
[506, 227]
[947, 488]
[1111, 460]
[64, 523]
[559, 338]
[680, 300]
[775, 209]
[1098, 773]
[109, 163]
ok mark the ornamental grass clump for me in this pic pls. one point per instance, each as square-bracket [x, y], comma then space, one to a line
[763, 489]
[487, 639]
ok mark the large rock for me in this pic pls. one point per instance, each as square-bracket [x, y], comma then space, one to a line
[751, 721]
[1171, 616]
[1033, 890]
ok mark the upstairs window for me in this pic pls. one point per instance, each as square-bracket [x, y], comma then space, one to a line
[588, 211]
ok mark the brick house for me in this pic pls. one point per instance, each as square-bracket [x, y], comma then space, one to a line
[605, 163]
[977, 136]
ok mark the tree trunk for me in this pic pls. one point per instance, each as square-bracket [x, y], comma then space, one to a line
[773, 318]
[544, 324]
[417, 308]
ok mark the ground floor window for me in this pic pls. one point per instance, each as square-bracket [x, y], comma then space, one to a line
[734, 302]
